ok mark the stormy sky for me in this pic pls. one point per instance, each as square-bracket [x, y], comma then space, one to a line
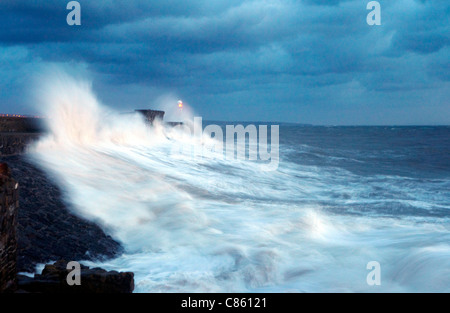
[305, 61]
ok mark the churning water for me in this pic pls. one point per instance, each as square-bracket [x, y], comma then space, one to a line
[341, 197]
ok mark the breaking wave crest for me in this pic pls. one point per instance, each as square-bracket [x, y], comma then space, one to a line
[205, 224]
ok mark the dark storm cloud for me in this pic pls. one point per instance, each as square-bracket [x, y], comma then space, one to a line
[45, 21]
[302, 51]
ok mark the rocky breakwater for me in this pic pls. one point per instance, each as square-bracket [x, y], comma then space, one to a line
[42, 230]
[45, 229]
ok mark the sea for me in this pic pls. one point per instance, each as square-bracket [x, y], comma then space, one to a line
[340, 200]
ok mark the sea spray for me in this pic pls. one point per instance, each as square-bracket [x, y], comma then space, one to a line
[213, 224]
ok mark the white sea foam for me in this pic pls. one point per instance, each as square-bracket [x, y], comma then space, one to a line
[204, 224]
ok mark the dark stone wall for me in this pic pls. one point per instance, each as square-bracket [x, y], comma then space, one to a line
[15, 143]
[9, 202]
[151, 115]
[21, 124]
[18, 132]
